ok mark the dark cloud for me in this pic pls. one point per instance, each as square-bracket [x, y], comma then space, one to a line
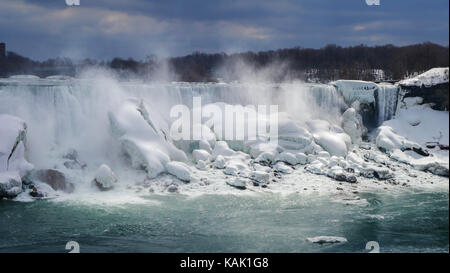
[136, 28]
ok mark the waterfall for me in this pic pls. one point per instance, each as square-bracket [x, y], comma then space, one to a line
[387, 96]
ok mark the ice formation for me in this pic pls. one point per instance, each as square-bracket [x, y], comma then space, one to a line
[82, 129]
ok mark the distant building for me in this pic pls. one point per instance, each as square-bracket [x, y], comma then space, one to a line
[2, 50]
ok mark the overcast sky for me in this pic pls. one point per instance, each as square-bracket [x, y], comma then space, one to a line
[104, 29]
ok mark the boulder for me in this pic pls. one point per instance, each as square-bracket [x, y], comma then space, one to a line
[200, 155]
[238, 182]
[55, 179]
[10, 184]
[260, 178]
[104, 178]
[179, 170]
[219, 163]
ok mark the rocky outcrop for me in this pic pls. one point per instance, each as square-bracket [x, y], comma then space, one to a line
[54, 178]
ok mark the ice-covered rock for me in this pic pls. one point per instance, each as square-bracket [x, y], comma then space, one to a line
[282, 168]
[266, 157]
[54, 178]
[381, 173]
[219, 162]
[13, 131]
[200, 155]
[286, 157]
[261, 178]
[429, 78]
[412, 101]
[10, 184]
[104, 178]
[387, 140]
[204, 145]
[352, 125]
[238, 182]
[338, 173]
[236, 167]
[179, 170]
[301, 158]
[146, 145]
[331, 138]
[316, 167]
[201, 165]
[221, 148]
[327, 239]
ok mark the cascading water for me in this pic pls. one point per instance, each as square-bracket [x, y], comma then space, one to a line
[387, 96]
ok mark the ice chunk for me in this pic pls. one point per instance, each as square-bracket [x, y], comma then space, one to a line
[104, 178]
[238, 182]
[10, 184]
[179, 170]
[200, 155]
[261, 178]
[219, 162]
[282, 168]
[327, 239]
[287, 158]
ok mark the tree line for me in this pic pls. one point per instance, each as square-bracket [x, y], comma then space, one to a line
[372, 63]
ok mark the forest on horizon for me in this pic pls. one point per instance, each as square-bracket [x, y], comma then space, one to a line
[332, 62]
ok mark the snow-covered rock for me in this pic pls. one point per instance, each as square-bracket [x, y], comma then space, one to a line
[286, 157]
[219, 162]
[327, 239]
[316, 167]
[221, 148]
[201, 165]
[10, 184]
[143, 138]
[301, 158]
[352, 125]
[387, 140]
[54, 178]
[238, 182]
[266, 157]
[282, 168]
[429, 78]
[200, 155]
[104, 178]
[331, 138]
[261, 178]
[179, 170]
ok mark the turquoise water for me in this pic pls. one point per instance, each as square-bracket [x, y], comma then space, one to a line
[413, 222]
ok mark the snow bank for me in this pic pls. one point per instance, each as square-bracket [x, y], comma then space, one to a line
[429, 78]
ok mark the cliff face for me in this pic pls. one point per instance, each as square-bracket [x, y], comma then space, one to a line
[438, 94]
